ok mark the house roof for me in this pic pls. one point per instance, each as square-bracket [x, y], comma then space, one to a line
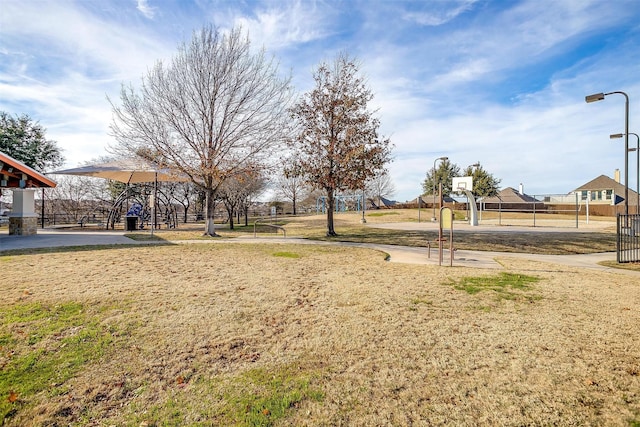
[15, 174]
[602, 182]
[510, 195]
[381, 201]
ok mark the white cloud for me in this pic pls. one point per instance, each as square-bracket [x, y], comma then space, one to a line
[281, 24]
[439, 13]
[145, 9]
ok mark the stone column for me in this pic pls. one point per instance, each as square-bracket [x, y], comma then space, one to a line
[23, 220]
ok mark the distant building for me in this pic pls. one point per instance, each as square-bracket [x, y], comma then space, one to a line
[380, 203]
[512, 199]
[605, 195]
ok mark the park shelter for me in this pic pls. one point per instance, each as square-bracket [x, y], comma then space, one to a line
[129, 171]
[23, 181]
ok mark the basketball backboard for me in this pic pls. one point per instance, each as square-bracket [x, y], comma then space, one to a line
[462, 183]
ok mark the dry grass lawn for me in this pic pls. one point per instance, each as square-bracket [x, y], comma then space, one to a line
[597, 236]
[267, 334]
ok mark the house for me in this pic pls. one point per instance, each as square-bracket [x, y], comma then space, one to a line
[510, 199]
[606, 195]
[380, 203]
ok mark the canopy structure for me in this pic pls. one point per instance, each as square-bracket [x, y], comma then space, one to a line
[129, 171]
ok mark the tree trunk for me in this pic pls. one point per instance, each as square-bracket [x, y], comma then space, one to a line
[210, 227]
[331, 206]
[246, 215]
[230, 216]
[186, 211]
[294, 205]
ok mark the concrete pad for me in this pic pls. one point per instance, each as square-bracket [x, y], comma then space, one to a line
[51, 238]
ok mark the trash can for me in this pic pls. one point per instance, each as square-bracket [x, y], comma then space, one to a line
[132, 223]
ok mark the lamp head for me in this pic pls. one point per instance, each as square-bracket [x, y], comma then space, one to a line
[616, 135]
[595, 97]
[443, 158]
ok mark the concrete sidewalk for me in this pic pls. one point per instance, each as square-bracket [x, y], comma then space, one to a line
[52, 238]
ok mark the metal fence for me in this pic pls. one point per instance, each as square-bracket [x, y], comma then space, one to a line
[550, 210]
[628, 238]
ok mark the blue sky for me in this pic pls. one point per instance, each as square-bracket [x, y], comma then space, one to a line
[496, 82]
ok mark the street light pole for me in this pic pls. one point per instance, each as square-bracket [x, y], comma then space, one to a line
[630, 150]
[599, 97]
[433, 177]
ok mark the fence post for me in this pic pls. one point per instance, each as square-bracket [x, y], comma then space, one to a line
[577, 210]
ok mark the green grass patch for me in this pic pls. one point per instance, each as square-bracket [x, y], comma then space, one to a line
[144, 237]
[379, 214]
[285, 254]
[43, 346]
[505, 286]
[415, 302]
[257, 397]
[261, 397]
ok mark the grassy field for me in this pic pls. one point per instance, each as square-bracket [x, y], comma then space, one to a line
[281, 334]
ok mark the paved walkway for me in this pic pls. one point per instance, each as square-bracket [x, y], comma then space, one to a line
[402, 254]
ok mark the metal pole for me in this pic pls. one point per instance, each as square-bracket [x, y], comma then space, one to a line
[42, 211]
[626, 154]
[599, 97]
[155, 201]
[637, 172]
[534, 211]
[433, 177]
[626, 149]
[577, 210]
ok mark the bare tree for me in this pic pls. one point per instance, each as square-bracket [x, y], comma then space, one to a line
[291, 184]
[338, 145]
[215, 108]
[77, 196]
[236, 192]
[381, 186]
[185, 194]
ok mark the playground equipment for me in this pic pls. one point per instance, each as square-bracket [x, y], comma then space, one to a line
[341, 203]
[446, 221]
